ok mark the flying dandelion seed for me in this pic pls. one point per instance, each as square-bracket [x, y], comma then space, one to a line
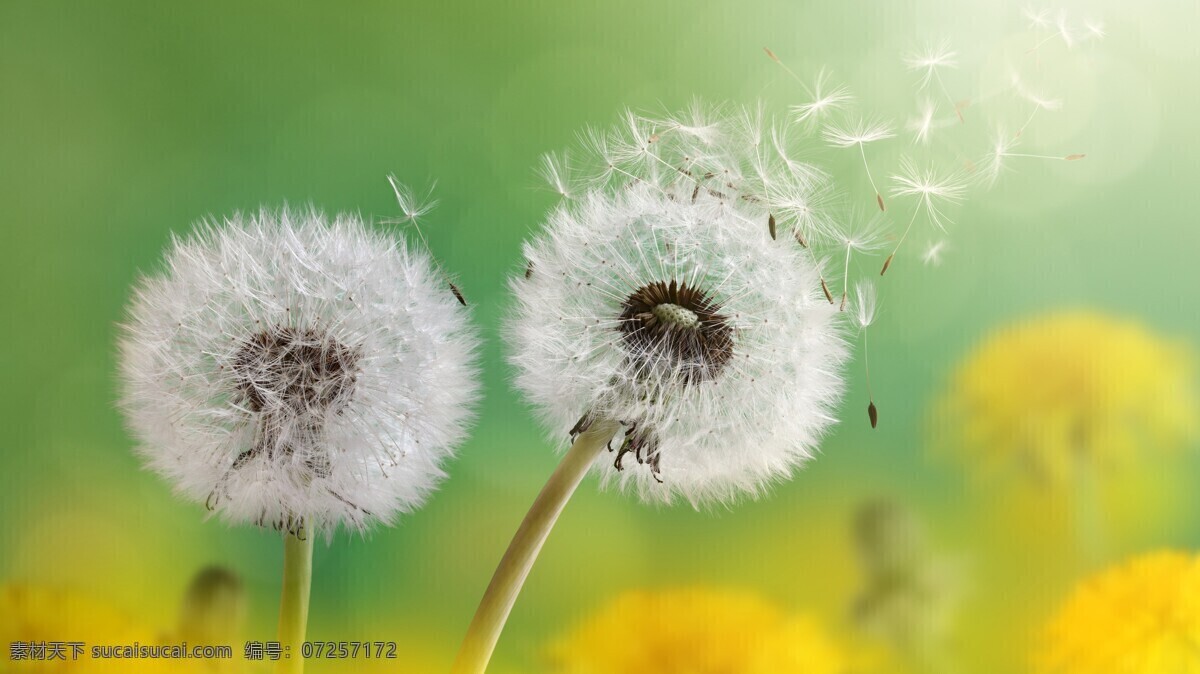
[933, 191]
[1038, 18]
[1039, 101]
[1064, 29]
[865, 305]
[997, 160]
[922, 125]
[415, 207]
[934, 252]
[553, 171]
[1095, 29]
[1045, 20]
[930, 64]
[823, 98]
[857, 134]
[864, 235]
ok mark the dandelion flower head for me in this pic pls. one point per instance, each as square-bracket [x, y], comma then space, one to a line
[287, 368]
[696, 629]
[672, 297]
[1139, 617]
[1045, 393]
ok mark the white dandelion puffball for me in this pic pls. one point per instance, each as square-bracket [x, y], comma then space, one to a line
[289, 369]
[666, 299]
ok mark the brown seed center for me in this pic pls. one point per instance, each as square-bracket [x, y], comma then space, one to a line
[679, 324]
[295, 371]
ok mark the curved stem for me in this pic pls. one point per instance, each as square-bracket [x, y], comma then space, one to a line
[293, 603]
[514, 567]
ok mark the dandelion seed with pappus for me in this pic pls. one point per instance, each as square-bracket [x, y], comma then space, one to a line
[857, 134]
[865, 305]
[932, 190]
[296, 371]
[930, 64]
[996, 161]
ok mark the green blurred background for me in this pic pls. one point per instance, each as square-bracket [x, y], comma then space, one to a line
[124, 122]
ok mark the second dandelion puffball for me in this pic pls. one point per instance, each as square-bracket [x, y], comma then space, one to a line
[290, 369]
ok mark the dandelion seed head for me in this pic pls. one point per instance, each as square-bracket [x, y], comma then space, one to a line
[995, 162]
[857, 132]
[1095, 29]
[934, 57]
[823, 98]
[1037, 18]
[289, 369]
[1064, 29]
[922, 124]
[934, 190]
[554, 171]
[865, 232]
[412, 205]
[663, 303]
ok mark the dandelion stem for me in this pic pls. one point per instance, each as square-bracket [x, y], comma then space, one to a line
[872, 411]
[1070, 157]
[514, 567]
[846, 278]
[293, 603]
[1028, 121]
[878, 196]
[783, 65]
[1048, 38]
[949, 98]
[888, 262]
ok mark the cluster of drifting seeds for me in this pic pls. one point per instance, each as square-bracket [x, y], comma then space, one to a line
[691, 256]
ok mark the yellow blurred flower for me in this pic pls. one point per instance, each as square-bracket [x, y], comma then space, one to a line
[1046, 393]
[31, 613]
[1142, 617]
[696, 630]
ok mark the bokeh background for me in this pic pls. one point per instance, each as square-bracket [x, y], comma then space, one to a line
[124, 122]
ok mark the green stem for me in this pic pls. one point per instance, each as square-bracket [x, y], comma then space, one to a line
[501, 594]
[293, 603]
